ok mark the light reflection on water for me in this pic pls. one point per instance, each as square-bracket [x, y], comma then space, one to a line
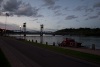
[87, 41]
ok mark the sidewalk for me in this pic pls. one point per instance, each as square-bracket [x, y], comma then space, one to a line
[90, 51]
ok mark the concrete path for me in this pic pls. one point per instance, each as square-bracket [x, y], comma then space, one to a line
[21, 54]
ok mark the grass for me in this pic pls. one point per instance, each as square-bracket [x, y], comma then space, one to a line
[77, 54]
[3, 61]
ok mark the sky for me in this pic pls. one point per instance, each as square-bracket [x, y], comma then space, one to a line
[53, 14]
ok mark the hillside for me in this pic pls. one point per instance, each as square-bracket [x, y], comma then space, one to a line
[79, 31]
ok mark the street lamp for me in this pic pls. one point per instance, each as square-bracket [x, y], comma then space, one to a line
[7, 15]
[20, 31]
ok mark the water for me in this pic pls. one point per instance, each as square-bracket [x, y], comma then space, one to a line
[86, 41]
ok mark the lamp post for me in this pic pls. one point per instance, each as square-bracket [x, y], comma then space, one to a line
[41, 33]
[20, 31]
[7, 15]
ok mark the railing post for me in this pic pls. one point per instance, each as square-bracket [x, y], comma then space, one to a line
[53, 43]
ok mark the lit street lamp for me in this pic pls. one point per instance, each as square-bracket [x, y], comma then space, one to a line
[20, 31]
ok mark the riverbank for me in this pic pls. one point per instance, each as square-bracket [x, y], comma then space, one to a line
[85, 50]
[80, 53]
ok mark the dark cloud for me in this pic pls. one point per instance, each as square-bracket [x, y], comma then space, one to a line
[98, 13]
[66, 8]
[19, 8]
[86, 14]
[1, 1]
[35, 19]
[71, 17]
[54, 7]
[51, 4]
[80, 8]
[97, 5]
[84, 8]
[92, 17]
[12, 5]
[39, 15]
[58, 13]
[27, 10]
[89, 10]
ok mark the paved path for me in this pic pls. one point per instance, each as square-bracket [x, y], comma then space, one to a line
[21, 54]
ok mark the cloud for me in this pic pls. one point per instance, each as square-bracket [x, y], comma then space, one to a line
[51, 4]
[98, 13]
[92, 17]
[97, 5]
[77, 21]
[54, 7]
[0, 13]
[80, 8]
[9, 26]
[1, 1]
[19, 8]
[86, 14]
[84, 8]
[12, 5]
[58, 13]
[71, 17]
[89, 10]
[35, 19]
[27, 10]
[66, 8]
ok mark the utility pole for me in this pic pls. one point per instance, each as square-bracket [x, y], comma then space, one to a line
[24, 28]
[41, 33]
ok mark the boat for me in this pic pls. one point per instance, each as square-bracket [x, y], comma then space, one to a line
[68, 42]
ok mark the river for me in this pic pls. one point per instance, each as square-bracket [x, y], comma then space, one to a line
[86, 41]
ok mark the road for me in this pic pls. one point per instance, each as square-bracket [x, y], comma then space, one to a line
[27, 55]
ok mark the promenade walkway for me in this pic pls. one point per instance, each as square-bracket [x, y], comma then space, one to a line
[20, 54]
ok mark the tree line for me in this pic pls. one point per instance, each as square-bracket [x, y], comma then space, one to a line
[79, 31]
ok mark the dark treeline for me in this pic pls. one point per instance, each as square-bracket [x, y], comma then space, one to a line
[8, 32]
[79, 31]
